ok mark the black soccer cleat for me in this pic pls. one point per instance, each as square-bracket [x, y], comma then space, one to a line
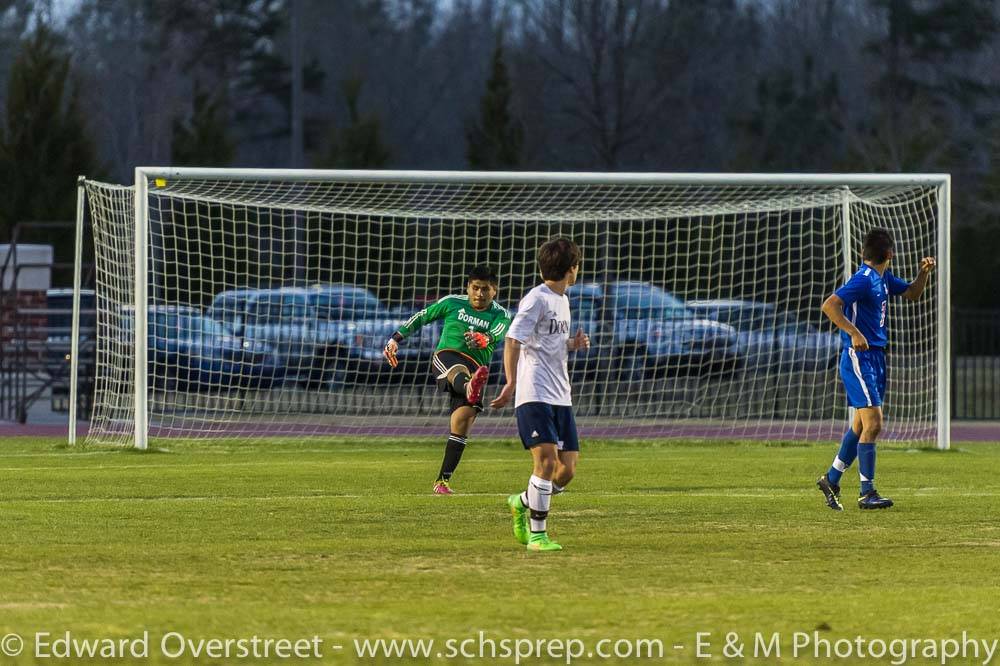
[872, 500]
[831, 492]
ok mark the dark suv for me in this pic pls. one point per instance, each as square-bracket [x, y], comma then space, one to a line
[639, 330]
[354, 326]
[770, 338]
[326, 335]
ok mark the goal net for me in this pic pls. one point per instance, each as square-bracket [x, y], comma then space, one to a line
[268, 297]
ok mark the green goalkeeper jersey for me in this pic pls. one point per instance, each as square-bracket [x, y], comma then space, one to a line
[459, 318]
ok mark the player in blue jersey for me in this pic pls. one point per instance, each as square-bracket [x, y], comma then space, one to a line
[859, 309]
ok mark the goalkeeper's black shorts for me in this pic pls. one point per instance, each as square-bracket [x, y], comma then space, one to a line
[440, 362]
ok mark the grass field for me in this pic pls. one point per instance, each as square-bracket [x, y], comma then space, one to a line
[342, 539]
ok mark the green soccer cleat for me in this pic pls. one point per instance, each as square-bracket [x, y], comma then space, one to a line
[519, 512]
[540, 542]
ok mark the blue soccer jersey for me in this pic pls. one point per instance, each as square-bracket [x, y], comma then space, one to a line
[866, 300]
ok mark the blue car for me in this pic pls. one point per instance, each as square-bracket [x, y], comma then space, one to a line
[230, 308]
[188, 351]
[640, 330]
[281, 319]
[770, 338]
[585, 301]
[353, 327]
[211, 358]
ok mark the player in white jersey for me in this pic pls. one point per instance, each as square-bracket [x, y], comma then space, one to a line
[535, 364]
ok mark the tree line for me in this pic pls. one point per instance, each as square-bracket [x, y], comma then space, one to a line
[100, 86]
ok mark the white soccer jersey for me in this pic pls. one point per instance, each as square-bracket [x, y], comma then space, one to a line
[542, 327]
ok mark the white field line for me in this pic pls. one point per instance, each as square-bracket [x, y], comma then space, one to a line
[289, 463]
[203, 452]
[336, 496]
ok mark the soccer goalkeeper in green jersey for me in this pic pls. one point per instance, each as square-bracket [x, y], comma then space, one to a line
[473, 325]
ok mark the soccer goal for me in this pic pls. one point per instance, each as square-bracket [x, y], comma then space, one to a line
[255, 303]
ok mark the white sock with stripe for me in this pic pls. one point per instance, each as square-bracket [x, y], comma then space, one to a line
[539, 495]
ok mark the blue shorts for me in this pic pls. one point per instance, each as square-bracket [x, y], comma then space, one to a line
[863, 374]
[542, 423]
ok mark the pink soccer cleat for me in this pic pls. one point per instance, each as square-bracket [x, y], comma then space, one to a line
[474, 388]
[442, 487]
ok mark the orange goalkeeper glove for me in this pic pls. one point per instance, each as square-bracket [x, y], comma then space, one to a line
[477, 340]
[389, 352]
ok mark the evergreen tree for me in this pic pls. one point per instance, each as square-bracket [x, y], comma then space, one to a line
[44, 144]
[926, 97]
[203, 139]
[802, 101]
[495, 140]
[243, 44]
[14, 20]
[976, 261]
[930, 113]
[359, 145]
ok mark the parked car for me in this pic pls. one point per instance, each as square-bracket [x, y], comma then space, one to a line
[640, 330]
[230, 308]
[585, 303]
[282, 320]
[188, 351]
[325, 335]
[211, 357]
[770, 338]
[353, 328]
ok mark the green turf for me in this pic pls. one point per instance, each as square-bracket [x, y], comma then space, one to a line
[343, 539]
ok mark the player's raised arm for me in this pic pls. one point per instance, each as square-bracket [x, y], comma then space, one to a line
[916, 288]
[411, 325]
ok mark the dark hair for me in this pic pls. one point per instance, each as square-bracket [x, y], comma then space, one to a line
[483, 272]
[878, 243]
[556, 256]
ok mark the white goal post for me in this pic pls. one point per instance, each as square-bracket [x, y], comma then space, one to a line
[701, 292]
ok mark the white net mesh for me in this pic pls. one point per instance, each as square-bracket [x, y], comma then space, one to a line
[270, 302]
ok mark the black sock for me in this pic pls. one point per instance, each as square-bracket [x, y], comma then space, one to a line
[452, 455]
[461, 379]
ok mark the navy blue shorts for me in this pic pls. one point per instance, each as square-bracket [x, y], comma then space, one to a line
[542, 423]
[863, 374]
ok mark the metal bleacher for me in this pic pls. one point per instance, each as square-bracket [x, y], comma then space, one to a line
[35, 327]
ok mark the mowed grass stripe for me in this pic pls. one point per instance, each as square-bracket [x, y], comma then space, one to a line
[662, 539]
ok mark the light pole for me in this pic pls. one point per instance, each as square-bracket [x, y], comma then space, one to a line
[296, 107]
